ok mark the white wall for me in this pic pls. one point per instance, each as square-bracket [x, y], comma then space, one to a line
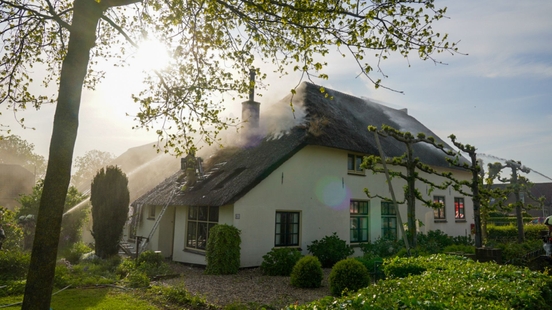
[315, 182]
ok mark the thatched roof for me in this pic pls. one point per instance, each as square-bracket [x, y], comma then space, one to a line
[332, 119]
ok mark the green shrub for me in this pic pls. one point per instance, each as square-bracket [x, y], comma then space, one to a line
[508, 233]
[11, 288]
[330, 250]
[136, 279]
[402, 267]
[470, 249]
[280, 262]
[152, 264]
[223, 250]
[178, 295]
[150, 257]
[434, 242]
[463, 240]
[74, 252]
[348, 275]
[374, 266]
[307, 273]
[514, 253]
[451, 282]
[14, 265]
[382, 247]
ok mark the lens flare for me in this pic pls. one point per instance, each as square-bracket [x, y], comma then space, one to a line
[332, 192]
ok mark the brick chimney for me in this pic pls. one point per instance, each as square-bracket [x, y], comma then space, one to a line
[250, 109]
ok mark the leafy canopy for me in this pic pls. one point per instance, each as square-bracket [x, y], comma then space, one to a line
[213, 44]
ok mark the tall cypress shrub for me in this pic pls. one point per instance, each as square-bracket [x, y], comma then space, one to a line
[110, 199]
[223, 250]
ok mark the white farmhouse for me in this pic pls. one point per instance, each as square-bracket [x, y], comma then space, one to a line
[296, 184]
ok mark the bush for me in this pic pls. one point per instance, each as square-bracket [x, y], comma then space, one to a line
[514, 253]
[451, 282]
[74, 253]
[307, 273]
[180, 296]
[382, 247]
[280, 262]
[508, 233]
[434, 242]
[348, 275]
[330, 250]
[152, 264]
[374, 266]
[223, 250]
[137, 279]
[14, 265]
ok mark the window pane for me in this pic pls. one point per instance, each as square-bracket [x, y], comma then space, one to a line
[358, 162]
[213, 214]
[350, 162]
[192, 213]
[192, 234]
[202, 213]
[202, 236]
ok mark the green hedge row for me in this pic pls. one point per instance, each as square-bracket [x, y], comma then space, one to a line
[509, 232]
[448, 282]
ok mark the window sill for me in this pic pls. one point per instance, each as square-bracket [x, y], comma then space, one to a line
[194, 251]
[439, 221]
[357, 173]
[460, 220]
[151, 218]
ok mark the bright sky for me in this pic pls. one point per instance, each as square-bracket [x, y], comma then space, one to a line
[497, 98]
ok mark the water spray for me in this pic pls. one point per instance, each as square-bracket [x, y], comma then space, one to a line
[511, 161]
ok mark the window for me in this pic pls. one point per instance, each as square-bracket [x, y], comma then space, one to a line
[200, 221]
[353, 164]
[439, 214]
[151, 212]
[287, 229]
[359, 221]
[459, 209]
[388, 221]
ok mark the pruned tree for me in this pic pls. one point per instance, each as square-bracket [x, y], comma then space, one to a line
[475, 188]
[411, 165]
[516, 184]
[110, 199]
[213, 43]
[88, 165]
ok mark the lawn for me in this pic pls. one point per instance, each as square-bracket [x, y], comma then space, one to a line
[105, 298]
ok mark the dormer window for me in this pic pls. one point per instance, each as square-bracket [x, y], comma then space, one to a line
[353, 164]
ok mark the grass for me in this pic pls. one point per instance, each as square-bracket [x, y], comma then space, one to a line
[89, 299]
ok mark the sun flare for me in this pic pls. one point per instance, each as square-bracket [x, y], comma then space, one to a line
[152, 55]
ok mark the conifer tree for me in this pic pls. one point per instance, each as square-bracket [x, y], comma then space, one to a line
[110, 198]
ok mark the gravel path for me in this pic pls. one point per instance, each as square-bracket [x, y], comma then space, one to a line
[249, 286]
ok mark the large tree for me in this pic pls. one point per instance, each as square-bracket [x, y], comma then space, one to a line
[213, 42]
[110, 199]
[14, 150]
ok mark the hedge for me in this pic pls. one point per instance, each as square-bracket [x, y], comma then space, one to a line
[449, 282]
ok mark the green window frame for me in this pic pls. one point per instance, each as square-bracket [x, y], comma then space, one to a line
[388, 221]
[439, 214]
[287, 228]
[200, 221]
[359, 211]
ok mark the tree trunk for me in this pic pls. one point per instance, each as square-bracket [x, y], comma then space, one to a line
[519, 217]
[38, 289]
